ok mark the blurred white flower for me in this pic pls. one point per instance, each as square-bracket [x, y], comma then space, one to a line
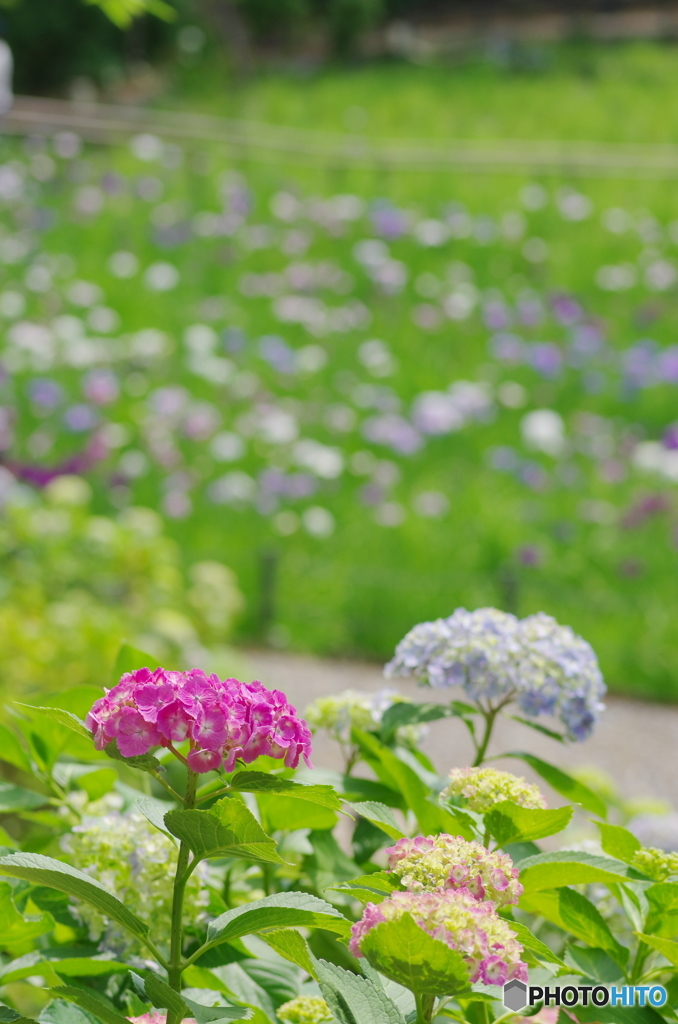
[161, 277]
[544, 430]
[123, 264]
[318, 521]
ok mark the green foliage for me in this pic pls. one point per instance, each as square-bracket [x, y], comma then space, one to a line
[510, 823]
[81, 582]
[405, 953]
[228, 829]
[354, 1000]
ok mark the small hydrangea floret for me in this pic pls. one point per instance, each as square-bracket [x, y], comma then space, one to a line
[304, 1010]
[482, 788]
[494, 656]
[657, 864]
[432, 863]
[489, 948]
[222, 720]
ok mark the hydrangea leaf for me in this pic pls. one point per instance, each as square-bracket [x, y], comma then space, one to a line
[583, 920]
[369, 888]
[154, 811]
[90, 1001]
[663, 915]
[571, 867]
[282, 910]
[616, 1015]
[216, 1014]
[618, 842]
[143, 762]
[66, 718]
[10, 1016]
[51, 965]
[14, 927]
[397, 775]
[564, 784]
[407, 954]
[379, 815]
[355, 1000]
[228, 829]
[403, 713]
[291, 945]
[11, 750]
[592, 963]
[279, 811]
[16, 798]
[358, 789]
[261, 782]
[530, 942]
[41, 870]
[510, 823]
[666, 947]
[531, 724]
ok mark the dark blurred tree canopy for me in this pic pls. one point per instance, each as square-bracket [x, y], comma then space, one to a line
[54, 41]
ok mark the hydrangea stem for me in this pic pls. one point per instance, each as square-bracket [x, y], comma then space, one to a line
[181, 877]
[425, 1004]
[481, 749]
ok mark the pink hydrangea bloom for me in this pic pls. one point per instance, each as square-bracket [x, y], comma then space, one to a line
[222, 719]
[156, 1017]
[490, 949]
[427, 863]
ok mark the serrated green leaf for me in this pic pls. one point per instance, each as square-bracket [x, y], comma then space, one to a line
[88, 1000]
[571, 867]
[353, 788]
[564, 784]
[10, 1016]
[379, 815]
[618, 842]
[129, 659]
[46, 963]
[404, 952]
[529, 941]
[228, 829]
[216, 1014]
[261, 782]
[291, 945]
[369, 888]
[154, 811]
[616, 1015]
[142, 762]
[355, 1000]
[282, 910]
[16, 798]
[160, 995]
[41, 870]
[666, 947]
[662, 918]
[66, 718]
[585, 921]
[510, 823]
[404, 713]
[594, 963]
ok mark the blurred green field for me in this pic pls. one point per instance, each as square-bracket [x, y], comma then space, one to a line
[586, 533]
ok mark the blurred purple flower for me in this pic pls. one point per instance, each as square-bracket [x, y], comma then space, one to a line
[45, 393]
[78, 418]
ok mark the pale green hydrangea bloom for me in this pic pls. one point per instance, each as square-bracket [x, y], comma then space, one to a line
[137, 863]
[482, 788]
[354, 709]
[658, 864]
[305, 1010]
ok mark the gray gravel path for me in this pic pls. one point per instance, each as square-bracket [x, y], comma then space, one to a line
[635, 743]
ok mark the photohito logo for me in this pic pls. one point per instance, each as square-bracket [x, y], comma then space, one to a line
[518, 995]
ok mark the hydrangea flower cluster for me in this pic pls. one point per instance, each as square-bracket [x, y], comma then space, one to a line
[431, 863]
[304, 1010]
[545, 667]
[355, 709]
[657, 864]
[489, 948]
[156, 1017]
[133, 860]
[482, 788]
[223, 720]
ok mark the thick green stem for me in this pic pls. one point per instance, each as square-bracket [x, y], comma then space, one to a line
[181, 877]
[424, 1004]
[481, 750]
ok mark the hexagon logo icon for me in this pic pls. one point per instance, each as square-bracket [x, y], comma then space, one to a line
[515, 995]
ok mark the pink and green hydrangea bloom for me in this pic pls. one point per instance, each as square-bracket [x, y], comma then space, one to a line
[223, 720]
[432, 863]
[489, 948]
